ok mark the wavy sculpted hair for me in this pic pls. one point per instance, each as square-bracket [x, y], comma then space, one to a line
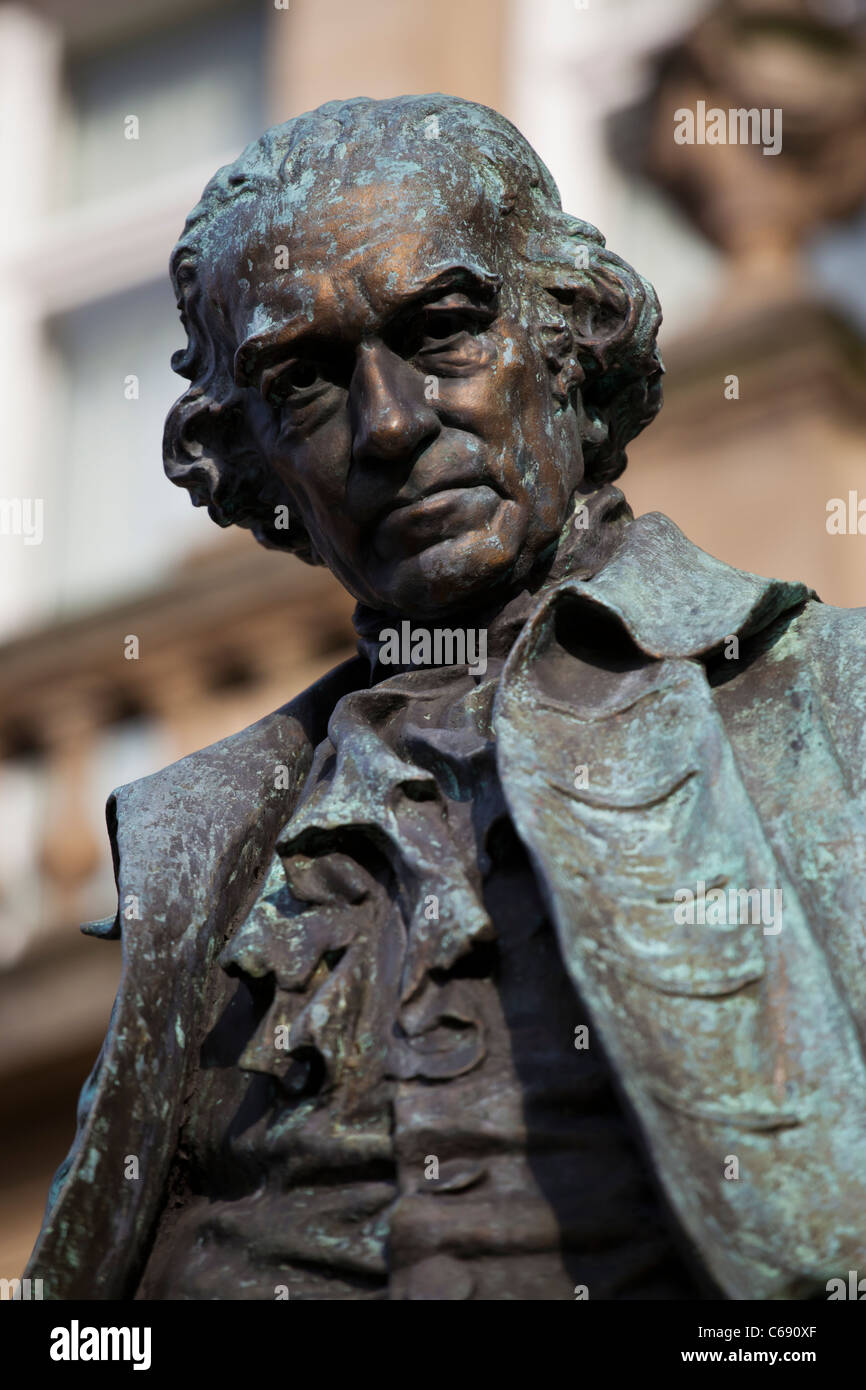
[597, 318]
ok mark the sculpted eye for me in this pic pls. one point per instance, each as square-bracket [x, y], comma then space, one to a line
[439, 327]
[440, 330]
[293, 382]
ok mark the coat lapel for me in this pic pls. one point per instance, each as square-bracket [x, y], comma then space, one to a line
[731, 1043]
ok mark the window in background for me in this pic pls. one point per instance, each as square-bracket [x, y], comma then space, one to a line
[196, 89]
[107, 323]
[123, 524]
[837, 256]
[23, 793]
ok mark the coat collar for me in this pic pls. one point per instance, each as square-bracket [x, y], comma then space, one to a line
[675, 600]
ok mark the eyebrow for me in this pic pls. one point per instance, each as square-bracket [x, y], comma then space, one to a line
[256, 351]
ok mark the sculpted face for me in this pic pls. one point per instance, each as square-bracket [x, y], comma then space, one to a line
[396, 388]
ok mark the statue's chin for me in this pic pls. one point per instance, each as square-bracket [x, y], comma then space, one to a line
[457, 573]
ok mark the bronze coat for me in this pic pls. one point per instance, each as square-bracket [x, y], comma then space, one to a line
[728, 1044]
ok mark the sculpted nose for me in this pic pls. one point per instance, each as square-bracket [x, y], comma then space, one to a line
[391, 416]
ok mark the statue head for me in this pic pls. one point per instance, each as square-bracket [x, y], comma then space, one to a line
[398, 341]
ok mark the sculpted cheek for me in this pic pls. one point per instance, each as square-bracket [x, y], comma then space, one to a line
[318, 467]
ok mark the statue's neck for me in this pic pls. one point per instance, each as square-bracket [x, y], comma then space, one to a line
[593, 531]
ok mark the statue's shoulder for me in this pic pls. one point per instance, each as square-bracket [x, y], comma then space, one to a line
[675, 599]
[829, 628]
[235, 765]
[678, 599]
[831, 644]
[199, 810]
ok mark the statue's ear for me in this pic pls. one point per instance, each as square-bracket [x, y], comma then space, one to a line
[558, 345]
[600, 315]
[210, 449]
[583, 340]
[207, 450]
[192, 445]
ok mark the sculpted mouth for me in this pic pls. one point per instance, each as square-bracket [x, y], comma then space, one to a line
[446, 512]
[398, 504]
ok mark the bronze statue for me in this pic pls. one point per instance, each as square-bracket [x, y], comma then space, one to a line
[523, 955]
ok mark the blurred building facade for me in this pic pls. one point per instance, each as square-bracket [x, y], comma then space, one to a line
[111, 121]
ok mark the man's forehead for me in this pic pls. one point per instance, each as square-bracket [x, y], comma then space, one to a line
[362, 199]
[345, 256]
